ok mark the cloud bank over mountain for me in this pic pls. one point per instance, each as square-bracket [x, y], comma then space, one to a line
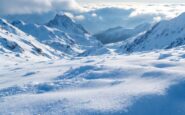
[127, 15]
[95, 17]
[37, 6]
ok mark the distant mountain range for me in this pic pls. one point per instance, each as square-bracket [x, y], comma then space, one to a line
[61, 37]
[118, 34]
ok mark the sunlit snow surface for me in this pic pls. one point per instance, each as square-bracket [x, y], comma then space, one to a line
[137, 84]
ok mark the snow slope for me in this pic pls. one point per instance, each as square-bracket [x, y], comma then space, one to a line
[76, 31]
[164, 35]
[63, 22]
[52, 37]
[142, 83]
[62, 34]
[120, 34]
[34, 79]
[16, 43]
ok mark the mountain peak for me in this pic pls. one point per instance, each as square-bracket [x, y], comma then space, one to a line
[60, 19]
[65, 23]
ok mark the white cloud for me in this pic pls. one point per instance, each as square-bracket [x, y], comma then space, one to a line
[101, 16]
[95, 17]
[37, 6]
[80, 17]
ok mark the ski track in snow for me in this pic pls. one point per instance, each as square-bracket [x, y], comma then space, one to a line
[107, 84]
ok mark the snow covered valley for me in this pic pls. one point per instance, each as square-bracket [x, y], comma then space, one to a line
[60, 68]
[137, 84]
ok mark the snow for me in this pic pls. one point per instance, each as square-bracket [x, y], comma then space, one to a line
[59, 68]
[63, 22]
[15, 42]
[164, 35]
[115, 84]
[62, 34]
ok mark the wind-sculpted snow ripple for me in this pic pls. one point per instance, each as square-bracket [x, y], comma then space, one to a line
[93, 72]
[36, 88]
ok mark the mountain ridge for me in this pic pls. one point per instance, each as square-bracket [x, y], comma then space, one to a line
[163, 35]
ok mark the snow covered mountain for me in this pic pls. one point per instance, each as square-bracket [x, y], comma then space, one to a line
[76, 31]
[14, 42]
[54, 38]
[120, 34]
[164, 35]
[93, 79]
[62, 34]
[63, 22]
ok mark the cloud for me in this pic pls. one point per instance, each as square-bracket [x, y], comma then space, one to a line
[95, 17]
[104, 18]
[101, 16]
[77, 17]
[37, 6]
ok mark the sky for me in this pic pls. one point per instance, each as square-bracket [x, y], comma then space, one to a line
[40, 6]
[145, 1]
